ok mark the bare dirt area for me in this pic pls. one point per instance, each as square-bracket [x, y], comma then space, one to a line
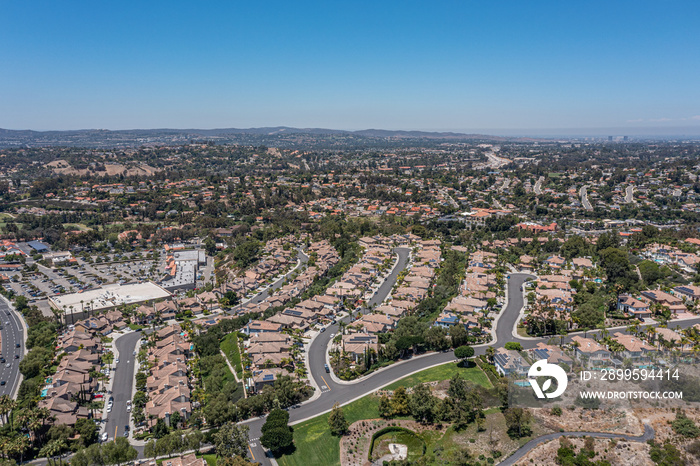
[617, 452]
[596, 420]
[110, 169]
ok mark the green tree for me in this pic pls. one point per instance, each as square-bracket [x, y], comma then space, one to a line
[231, 440]
[336, 421]
[385, 409]
[458, 335]
[423, 404]
[518, 422]
[276, 433]
[463, 353]
[399, 402]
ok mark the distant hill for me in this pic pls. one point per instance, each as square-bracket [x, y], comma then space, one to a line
[282, 135]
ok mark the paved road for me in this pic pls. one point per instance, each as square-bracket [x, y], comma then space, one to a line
[263, 295]
[538, 185]
[629, 194]
[12, 334]
[522, 451]
[584, 198]
[122, 384]
[333, 392]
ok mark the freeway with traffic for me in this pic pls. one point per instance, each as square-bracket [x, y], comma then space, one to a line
[13, 345]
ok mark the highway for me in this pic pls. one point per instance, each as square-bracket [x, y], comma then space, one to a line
[12, 334]
[122, 384]
[584, 198]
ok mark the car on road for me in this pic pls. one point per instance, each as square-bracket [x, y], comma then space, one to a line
[8, 365]
[328, 369]
[117, 361]
[17, 345]
[2, 382]
[128, 409]
[104, 437]
[16, 356]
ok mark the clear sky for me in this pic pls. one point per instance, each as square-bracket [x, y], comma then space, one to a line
[460, 65]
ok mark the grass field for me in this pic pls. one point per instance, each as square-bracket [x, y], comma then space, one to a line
[314, 442]
[444, 372]
[313, 439]
[229, 345]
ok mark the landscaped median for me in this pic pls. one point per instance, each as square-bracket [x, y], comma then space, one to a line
[315, 444]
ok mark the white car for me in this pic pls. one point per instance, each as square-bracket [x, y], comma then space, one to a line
[117, 361]
[104, 437]
[128, 409]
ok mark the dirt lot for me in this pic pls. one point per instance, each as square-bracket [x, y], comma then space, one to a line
[619, 422]
[616, 452]
[111, 169]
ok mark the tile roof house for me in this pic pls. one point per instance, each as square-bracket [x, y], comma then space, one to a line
[509, 362]
[591, 349]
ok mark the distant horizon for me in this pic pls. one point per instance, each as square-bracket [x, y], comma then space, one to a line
[636, 132]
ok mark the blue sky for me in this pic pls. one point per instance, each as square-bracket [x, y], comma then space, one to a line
[452, 65]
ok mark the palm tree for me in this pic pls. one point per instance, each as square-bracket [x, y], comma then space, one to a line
[53, 449]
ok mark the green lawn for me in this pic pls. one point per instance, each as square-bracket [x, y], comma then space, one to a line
[210, 459]
[229, 345]
[314, 442]
[443, 372]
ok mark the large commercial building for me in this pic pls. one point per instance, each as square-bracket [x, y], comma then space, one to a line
[106, 297]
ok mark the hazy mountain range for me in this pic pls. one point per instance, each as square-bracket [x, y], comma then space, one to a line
[281, 135]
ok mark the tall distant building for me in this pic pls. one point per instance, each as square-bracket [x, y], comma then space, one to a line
[610, 138]
[625, 138]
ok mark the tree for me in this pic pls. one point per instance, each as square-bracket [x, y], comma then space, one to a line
[685, 426]
[518, 422]
[423, 404]
[463, 353]
[276, 433]
[119, 451]
[399, 402]
[149, 450]
[336, 421]
[385, 409]
[231, 440]
[194, 440]
[87, 430]
[617, 267]
[436, 338]
[458, 335]
[514, 346]
[277, 438]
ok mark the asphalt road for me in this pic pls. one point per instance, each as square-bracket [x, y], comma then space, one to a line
[333, 392]
[522, 451]
[629, 194]
[12, 334]
[122, 384]
[264, 294]
[538, 185]
[584, 198]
